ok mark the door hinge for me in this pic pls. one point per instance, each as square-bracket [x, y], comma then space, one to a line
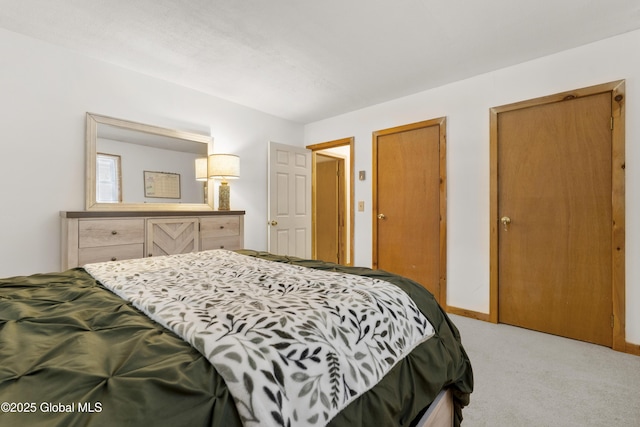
[611, 122]
[612, 320]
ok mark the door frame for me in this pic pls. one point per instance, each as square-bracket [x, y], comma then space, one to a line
[617, 90]
[441, 122]
[323, 146]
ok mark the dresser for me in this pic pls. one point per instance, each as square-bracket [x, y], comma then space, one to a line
[91, 236]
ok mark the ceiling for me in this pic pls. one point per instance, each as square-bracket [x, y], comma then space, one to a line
[309, 60]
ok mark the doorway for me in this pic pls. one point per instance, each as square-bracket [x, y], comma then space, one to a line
[329, 208]
[409, 203]
[332, 200]
[557, 209]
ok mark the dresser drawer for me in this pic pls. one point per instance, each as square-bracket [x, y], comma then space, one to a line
[219, 227]
[112, 232]
[110, 253]
[231, 243]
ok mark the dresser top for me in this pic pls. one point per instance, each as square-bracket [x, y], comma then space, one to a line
[129, 214]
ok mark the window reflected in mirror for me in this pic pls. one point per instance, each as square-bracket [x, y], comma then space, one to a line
[109, 178]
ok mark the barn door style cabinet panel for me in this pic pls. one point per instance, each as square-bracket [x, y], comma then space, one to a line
[168, 236]
[89, 236]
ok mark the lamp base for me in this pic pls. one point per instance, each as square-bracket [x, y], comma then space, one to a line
[223, 196]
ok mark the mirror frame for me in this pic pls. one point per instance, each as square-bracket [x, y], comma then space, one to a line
[91, 204]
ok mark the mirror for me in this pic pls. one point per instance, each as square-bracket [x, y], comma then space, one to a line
[137, 167]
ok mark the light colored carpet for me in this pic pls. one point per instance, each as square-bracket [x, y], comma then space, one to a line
[525, 378]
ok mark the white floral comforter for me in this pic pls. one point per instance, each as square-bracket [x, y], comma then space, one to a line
[294, 345]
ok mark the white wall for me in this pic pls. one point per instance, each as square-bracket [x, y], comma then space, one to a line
[466, 105]
[45, 92]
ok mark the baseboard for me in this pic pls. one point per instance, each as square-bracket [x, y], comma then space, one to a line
[468, 313]
[632, 349]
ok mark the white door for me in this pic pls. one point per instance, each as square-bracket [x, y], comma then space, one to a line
[289, 200]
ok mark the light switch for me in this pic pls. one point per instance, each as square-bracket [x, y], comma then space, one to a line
[361, 206]
[361, 175]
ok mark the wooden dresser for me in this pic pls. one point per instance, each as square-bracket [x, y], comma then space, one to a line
[91, 236]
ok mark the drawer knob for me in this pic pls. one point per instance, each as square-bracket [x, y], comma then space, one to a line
[222, 247]
[114, 258]
[222, 226]
[114, 232]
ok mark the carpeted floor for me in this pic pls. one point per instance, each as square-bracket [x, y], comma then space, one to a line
[526, 378]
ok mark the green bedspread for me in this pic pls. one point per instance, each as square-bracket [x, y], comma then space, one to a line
[72, 353]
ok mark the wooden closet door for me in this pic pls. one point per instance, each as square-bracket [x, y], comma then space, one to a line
[409, 203]
[328, 206]
[555, 210]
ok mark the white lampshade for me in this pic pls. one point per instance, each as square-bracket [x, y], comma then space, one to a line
[224, 166]
[201, 169]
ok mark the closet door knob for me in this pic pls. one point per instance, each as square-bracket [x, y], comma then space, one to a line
[505, 220]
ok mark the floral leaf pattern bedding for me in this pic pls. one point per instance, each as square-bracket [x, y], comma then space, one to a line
[294, 345]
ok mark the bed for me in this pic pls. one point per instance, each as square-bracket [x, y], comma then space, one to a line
[75, 352]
